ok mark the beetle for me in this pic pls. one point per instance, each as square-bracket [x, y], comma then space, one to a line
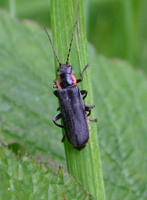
[74, 112]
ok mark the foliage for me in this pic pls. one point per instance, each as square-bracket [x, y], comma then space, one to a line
[116, 28]
[24, 178]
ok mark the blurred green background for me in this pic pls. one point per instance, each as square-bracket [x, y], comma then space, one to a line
[116, 28]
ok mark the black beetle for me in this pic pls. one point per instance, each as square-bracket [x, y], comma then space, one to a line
[74, 112]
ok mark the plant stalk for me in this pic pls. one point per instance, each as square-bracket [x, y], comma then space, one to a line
[85, 165]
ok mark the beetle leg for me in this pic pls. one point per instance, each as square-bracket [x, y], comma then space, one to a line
[89, 106]
[93, 120]
[55, 86]
[55, 81]
[55, 93]
[59, 116]
[58, 108]
[81, 79]
[84, 92]
[63, 138]
[88, 110]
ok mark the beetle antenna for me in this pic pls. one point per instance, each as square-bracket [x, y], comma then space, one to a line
[72, 37]
[52, 46]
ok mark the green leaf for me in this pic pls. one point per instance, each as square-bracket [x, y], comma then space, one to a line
[120, 95]
[26, 88]
[27, 107]
[27, 179]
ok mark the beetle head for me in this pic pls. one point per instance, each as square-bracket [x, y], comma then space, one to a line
[65, 69]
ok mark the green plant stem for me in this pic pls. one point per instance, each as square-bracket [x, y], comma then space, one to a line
[12, 8]
[129, 31]
[85, 165]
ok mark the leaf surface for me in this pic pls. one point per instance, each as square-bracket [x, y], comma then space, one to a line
[24, 178]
